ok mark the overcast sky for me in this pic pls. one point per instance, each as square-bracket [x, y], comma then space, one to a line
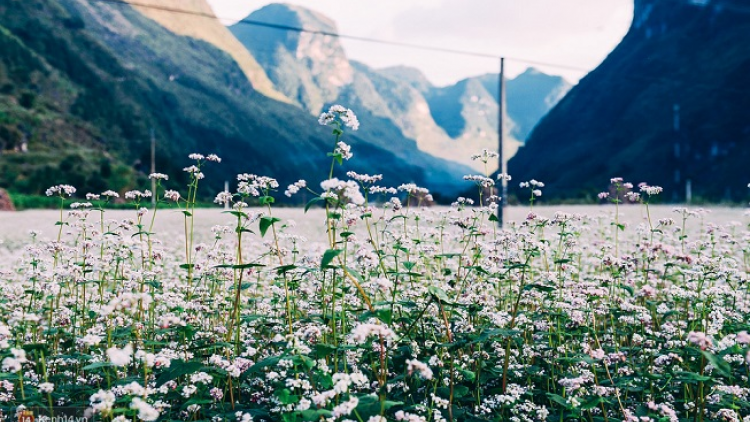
[577, 33]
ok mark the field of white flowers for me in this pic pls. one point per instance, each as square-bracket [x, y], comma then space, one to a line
[354, 311]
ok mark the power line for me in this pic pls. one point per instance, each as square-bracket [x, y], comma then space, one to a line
[349, 37]
[282, 27]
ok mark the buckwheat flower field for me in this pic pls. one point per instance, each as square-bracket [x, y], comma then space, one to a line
[373, 307]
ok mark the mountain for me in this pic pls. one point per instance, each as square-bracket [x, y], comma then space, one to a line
[82, 83]
[471, 104]
[313, 70]
[196, 19]
[310, 69]
[410, 75]
[468, 110]
[668, 104]
[530, 96]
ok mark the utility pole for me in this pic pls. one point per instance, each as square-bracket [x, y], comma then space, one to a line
[503, 191]
[226, 189]
[678, 153]
[153, 167]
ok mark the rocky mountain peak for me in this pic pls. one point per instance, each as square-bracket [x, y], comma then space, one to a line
[309, 68]
[202, 24]
[410, 75]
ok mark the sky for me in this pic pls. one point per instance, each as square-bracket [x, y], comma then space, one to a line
[573, 33]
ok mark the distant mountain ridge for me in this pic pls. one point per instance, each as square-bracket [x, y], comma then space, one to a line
[77, 106]
[196, 22]
[668, 104]
[448, 122]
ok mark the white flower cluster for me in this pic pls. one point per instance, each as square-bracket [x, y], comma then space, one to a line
[158, 176]
[198, 157]
[60, 190]
[102, 402]
[364, 178]
[531, 184]
[295, 187]
[479, 180]
[195, 171]
[172, 195]
[700, 339]
[77, 205]
[46, 387]
[120, 357]
[421, 367]
[485, 155]
[343, 191]
[345, 408]
[14, 363]
[504, 176]
[362, 332]
[535, 186]
[146, 412]
[651, 190]
[253, 185]
[223, 198]
[413, 189]
[136, 194]
[347, 117]
[343, 149]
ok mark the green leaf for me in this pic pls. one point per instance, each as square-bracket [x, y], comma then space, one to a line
[328, 256]
[271, 361]
[311, 202]
[32, 347]
[593, 403]
[177, 369]
[265, 200]
[323, 350]
[265, 223]
[381, 314]
[690, 377]
[235, 213]
[316, 415]
[285, 268]
[370, 405]
[468, 375]
[559, 400]
[539, 287]
[439, 294]
[195, 400]
[460, 391]
[720, 365]
[286, 397]
[239, 266]
[96, 365]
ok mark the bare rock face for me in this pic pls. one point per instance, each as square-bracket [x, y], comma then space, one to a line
[202, 24]
[309, 68]
[5, 202]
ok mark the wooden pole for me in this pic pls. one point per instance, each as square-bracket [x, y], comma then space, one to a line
[153, 167]
[503, 191]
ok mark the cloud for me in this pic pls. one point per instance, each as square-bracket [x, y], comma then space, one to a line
[584, 30]
[535, 19]
[575, 32]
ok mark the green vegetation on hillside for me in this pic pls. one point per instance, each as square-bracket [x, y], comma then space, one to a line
[82, 84]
